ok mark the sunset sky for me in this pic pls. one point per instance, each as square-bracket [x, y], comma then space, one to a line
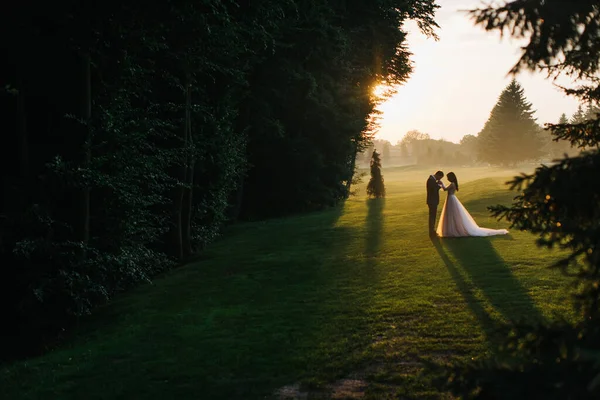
[457, 80]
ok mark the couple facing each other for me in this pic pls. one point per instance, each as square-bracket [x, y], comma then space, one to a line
[455, 220]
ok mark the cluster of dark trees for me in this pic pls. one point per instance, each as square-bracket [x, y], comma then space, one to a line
[132, 133]
[557, 359]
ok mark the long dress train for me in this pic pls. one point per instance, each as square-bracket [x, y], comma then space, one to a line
[456, 221]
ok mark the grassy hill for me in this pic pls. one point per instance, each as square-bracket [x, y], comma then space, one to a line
[345, 303]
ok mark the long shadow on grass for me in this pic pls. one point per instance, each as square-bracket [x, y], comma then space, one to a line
[490, 274]
[274, 303]
[487, 322]
[374, 227]
[478, 267]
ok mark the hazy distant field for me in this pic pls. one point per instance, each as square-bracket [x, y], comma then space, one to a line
[338, 303]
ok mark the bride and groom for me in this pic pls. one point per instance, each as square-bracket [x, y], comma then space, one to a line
[455, 220]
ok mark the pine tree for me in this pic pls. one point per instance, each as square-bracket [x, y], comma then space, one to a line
[591, 112]
[510, 135]
[376, 187]
[560, 204]
[579, 116]
[558, 148]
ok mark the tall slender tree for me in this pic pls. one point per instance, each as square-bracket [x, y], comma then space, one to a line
[578, 116]
[510, 134]
[376, 186]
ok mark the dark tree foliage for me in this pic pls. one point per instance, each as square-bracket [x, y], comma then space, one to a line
[132, 133]
[510, 135]
[376, 186]
[108, 111]
[309, 101]
[561, 204]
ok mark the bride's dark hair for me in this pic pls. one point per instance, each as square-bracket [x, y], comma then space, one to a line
[452, 178]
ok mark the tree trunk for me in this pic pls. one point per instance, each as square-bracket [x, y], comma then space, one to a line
[176, 232]
[179, 215]
[83, 224]
[189, 176]
[352, 166]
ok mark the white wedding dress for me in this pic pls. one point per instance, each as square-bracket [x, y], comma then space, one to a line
[457, 222]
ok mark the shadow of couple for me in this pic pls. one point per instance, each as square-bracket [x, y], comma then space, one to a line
[476, 267]
[484, 279]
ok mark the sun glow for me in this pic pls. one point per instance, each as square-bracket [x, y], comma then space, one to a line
[456, 81]
[383, 92]
[379, 90]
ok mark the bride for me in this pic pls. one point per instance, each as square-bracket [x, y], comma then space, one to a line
[456, 221]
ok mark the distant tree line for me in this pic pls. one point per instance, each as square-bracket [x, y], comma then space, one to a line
[510, 136]
[417, 148]
[132, 133]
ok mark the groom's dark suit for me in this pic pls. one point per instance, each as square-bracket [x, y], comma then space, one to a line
[433, 199]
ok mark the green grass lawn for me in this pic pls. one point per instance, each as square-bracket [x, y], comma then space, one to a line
[345, 303]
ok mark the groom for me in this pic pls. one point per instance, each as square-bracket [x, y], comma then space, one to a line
[433, 198]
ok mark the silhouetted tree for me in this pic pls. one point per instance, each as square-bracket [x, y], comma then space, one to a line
[559, 360]
[579, 115]
[326, 59]
[510, 134]
[591, 112]
[376, 186]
